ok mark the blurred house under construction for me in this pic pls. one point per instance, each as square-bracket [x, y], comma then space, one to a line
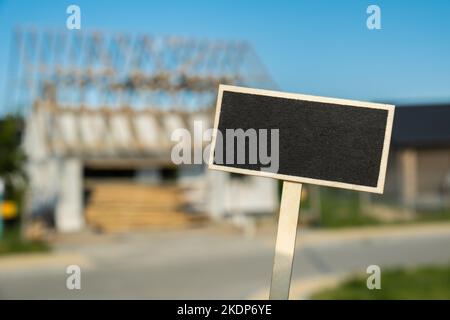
[100, 110]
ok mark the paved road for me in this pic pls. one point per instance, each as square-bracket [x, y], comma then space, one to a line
[209, 263]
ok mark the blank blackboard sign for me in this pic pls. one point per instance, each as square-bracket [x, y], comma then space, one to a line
[322, 141]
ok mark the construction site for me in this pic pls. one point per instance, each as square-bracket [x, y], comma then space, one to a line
[99, 111]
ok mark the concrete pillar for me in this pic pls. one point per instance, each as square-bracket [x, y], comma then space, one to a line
[69, 207]
[409, 178]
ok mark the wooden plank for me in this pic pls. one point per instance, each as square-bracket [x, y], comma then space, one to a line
[285, 243]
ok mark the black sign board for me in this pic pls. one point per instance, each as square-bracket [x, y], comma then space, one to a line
[316, 140]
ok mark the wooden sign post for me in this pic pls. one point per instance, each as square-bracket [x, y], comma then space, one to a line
[317, 140]
[285, 243]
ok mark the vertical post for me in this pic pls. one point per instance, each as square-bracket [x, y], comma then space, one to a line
[409, 179]
[285, 243]
[69, 209]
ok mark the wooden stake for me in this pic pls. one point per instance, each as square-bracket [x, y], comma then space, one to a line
[285, 244]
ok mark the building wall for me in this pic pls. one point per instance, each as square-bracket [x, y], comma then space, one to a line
[434, 171]
[419, 178]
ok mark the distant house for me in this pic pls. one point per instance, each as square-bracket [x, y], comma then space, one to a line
[418, 175]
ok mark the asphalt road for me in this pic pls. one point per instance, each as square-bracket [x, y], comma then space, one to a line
[210, 263]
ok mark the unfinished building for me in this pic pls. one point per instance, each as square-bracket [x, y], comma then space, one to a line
[100, 109]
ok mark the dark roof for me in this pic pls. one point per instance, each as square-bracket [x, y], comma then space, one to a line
[422, 126]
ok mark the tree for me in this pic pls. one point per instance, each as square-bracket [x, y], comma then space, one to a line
[12, 158]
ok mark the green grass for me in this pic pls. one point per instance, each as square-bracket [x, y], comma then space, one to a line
[12, 243]
[342, 209]
[441, 215]
[399, 284]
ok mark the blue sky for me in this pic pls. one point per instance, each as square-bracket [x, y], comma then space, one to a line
[312, 47]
